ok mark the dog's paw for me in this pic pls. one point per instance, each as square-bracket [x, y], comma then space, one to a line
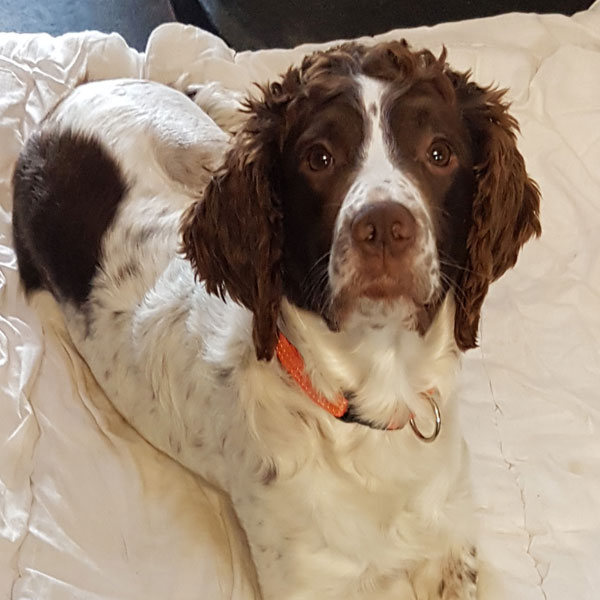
[454, 578]
[460, 575]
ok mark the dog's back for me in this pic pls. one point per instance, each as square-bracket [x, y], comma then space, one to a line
[68, 186]
[98, 194]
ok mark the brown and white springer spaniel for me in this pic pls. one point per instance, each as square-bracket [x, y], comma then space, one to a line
[282, 311]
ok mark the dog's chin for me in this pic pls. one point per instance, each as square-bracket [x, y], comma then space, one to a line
[373, 309]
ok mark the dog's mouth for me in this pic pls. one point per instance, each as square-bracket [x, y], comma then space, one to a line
[370, 295]
[374, 309]
[384, 288]
[407, 297]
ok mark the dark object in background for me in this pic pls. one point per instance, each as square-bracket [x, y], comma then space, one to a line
[254, 24]
[133, 19]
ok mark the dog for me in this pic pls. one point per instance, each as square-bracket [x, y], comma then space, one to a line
[283, 311]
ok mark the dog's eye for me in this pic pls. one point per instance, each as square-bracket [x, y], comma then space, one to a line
[319, 159]
[439, 154]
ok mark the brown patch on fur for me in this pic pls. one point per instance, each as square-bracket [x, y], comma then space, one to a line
[234, 235]
[67, 189]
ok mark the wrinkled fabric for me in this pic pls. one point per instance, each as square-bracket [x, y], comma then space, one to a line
[89, 509]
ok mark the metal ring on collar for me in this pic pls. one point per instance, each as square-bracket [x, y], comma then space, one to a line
[438, 421]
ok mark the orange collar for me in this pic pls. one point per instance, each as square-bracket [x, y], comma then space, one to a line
[292, 361]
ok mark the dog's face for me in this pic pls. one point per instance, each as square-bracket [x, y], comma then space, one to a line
[376, 197]
[366, 184]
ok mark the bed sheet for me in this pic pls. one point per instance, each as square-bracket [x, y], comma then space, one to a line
[89, 510]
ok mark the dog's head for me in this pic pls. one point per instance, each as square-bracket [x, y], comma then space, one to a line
[368, 182]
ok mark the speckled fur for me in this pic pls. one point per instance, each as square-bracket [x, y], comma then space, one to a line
[332, 510]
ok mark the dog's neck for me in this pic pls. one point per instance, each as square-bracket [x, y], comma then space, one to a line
[385, 368]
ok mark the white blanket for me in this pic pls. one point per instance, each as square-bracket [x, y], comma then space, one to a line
[89, 510]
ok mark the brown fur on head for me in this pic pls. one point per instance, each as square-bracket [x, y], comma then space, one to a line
[234, 236]
[506, 205]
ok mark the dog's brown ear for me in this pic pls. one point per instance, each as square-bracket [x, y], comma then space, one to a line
[233, 236]
[506, 203]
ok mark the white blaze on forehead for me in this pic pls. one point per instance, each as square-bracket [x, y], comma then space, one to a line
[378, 178]
[377, 163]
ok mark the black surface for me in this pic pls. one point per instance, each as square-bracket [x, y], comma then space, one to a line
[133, 19]
[192, 12]
[253, 24]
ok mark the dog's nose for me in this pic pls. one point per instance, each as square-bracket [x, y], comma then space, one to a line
[384, 225]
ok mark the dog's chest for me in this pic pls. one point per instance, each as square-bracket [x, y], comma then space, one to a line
[366, 515]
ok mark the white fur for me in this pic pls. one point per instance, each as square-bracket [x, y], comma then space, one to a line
[333, 511]
[380, 179]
